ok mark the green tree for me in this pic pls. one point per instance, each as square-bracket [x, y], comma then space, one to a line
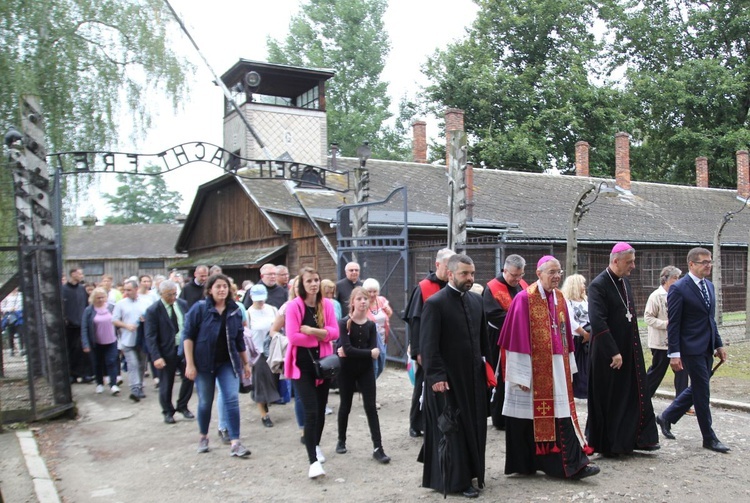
[347, 36]
[143, 200]
[687, 67]
[85, 58]
[525, 76]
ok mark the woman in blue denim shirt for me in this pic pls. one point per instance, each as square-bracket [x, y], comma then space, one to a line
[215, 353]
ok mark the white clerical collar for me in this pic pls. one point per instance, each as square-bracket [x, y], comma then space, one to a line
[456, 289]
[543, 293]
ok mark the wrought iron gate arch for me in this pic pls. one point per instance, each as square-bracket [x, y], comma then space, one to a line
[38, 206]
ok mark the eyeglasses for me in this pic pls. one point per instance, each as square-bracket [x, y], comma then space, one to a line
[555, 273]
[704, 262]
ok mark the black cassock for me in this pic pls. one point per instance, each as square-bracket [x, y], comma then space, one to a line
[454, 340]
[620, 413]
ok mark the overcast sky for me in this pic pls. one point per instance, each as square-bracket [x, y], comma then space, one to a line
[227, 30]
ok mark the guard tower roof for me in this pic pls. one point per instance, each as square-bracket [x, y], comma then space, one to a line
[277, 80]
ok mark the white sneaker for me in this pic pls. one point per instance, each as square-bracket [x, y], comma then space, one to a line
[115, 389]
[316, 470]
[99, 388]
[319, 454]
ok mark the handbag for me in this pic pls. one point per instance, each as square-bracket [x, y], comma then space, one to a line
[327, 367]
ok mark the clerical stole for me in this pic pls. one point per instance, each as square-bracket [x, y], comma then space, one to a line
[542, 330]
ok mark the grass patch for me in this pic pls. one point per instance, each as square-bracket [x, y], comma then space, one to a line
[737, 365]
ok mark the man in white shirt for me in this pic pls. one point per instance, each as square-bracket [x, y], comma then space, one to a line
[128, 317]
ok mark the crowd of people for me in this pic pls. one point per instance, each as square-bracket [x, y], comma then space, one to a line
[512, 354]
[521, 354]
[205, 330]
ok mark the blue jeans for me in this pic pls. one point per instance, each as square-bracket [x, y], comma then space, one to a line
[379, 364]
[299, 410]
[105, 360]
[229, 385]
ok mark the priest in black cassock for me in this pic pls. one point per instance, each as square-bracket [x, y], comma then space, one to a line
[454, 349]
[620, 413]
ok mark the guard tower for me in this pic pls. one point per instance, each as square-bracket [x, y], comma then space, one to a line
[285, 104]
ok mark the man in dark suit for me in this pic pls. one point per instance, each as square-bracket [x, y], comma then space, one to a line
[693, 341]
[164, 323]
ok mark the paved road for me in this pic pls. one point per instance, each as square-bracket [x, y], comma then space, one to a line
[122, 452]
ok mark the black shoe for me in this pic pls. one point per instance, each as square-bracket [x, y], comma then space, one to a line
[134, 397]
[586, 471]
[380, 456]
[653, 447]
[186, 414]
[665, 427]
[341, 447]
[88, 379]
[169, 419]
[414, 433]
[267, 421]
[715, 445]
[471, 492]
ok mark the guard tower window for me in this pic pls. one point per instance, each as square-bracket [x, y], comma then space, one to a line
[309, 99]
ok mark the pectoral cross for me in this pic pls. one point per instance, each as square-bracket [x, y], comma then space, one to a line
[629, 316]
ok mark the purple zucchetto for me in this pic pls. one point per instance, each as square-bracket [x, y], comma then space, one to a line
[544, 259]
[621, 247]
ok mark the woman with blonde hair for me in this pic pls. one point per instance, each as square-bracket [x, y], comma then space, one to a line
[98, 333]
[328, 288]
[574, 290]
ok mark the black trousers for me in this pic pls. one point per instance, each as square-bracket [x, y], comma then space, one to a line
[166, 385]
[314, 399]
[79, 363]
[657, 371]
[358, 374]
[416, 418]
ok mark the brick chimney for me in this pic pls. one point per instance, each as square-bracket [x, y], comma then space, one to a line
[454, 121]
[419, 142]
[582, 158]
[701, 172]
[743, 177]
[622, 161]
